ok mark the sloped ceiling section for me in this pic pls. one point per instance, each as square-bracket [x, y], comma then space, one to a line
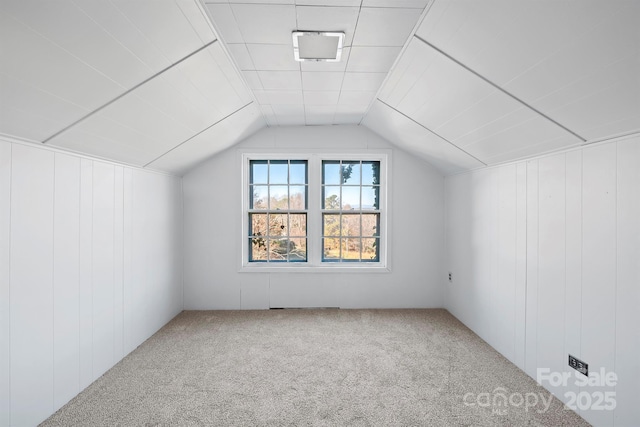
[501, 80]
[138, 82]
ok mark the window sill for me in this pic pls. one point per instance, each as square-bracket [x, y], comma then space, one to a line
[306, 268]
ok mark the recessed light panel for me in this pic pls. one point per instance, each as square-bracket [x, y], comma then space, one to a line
[317, 46]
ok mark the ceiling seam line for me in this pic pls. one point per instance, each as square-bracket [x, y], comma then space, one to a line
[430, 131]
[509, 94]
[198, 133]
[128, 91]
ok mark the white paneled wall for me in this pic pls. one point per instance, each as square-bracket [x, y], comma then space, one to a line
[71, 304]
[545, 262]
[213, 233]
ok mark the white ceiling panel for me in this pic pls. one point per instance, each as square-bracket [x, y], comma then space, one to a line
[467, 111]
[328, 2]
[183, 38]
[273, 57]
[288, 109]
[64, 75]
[263, 1]
[363, 81]
[253, 80]
[400, 130]
[321, 97]
[349, 114]
[31, 113]
[113, 59]
[329, 19]
[225, 22]
[360, 98]
[322, 81]
[385, 26]
[285, 96]
[108, 139]
[585, 58]
[280, 80]
[269, 115]
[168, 110]
[533, 137]
[212, 140]
[240, 54]
[316, 115]
[262, 23]
[395, 3]
[295, 120]
[372, 59]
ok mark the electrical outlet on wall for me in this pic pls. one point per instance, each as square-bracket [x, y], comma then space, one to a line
[450, 279]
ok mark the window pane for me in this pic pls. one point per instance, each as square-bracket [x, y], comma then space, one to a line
[278, 249]
[258, 172]
[331, 225]
[298, 172]
[331, 197]
[297, 250]
[350, 198]
[370, 173]
[331, 249]
[279, 197]
[331, 172]
[257, 249]
[298, 225]
[351, 173]
[370, 225]
[370, 198]
[350, 248]
[278, 225]
[278, 172]
[351, 225]
[258, 224]
[370, 249]
[297, 197]
[259, 196]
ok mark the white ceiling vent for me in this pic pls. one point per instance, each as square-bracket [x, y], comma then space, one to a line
[317, 46]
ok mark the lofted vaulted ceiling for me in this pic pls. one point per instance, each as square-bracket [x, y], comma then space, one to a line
[165, 84]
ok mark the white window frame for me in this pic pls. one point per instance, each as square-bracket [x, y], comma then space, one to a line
[314, 211]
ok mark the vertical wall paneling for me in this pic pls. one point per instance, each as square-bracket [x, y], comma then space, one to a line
[103, 268]
[503, 327]
[531, 364]
[573, 285]
[86, 273]
[118, 258]
[31, 282]
[127, 260]
[5, 236]
[66, 282]
[551, 267]
[139, 250]
[521, 265]
[599, 265]
[74, 272]
[627, 351]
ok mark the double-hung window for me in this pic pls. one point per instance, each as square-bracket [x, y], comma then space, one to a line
[314, 210]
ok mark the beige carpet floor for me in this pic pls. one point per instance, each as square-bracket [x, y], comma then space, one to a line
[314, 368]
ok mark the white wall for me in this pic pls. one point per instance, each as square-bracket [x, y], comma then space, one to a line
[545, 257]
[213, 216]
[90, 266]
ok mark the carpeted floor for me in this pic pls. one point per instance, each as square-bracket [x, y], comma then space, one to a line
[315, 367]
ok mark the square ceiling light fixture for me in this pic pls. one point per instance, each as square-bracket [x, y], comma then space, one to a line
[317, 46]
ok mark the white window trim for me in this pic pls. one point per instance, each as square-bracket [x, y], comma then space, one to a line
[314, 215]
